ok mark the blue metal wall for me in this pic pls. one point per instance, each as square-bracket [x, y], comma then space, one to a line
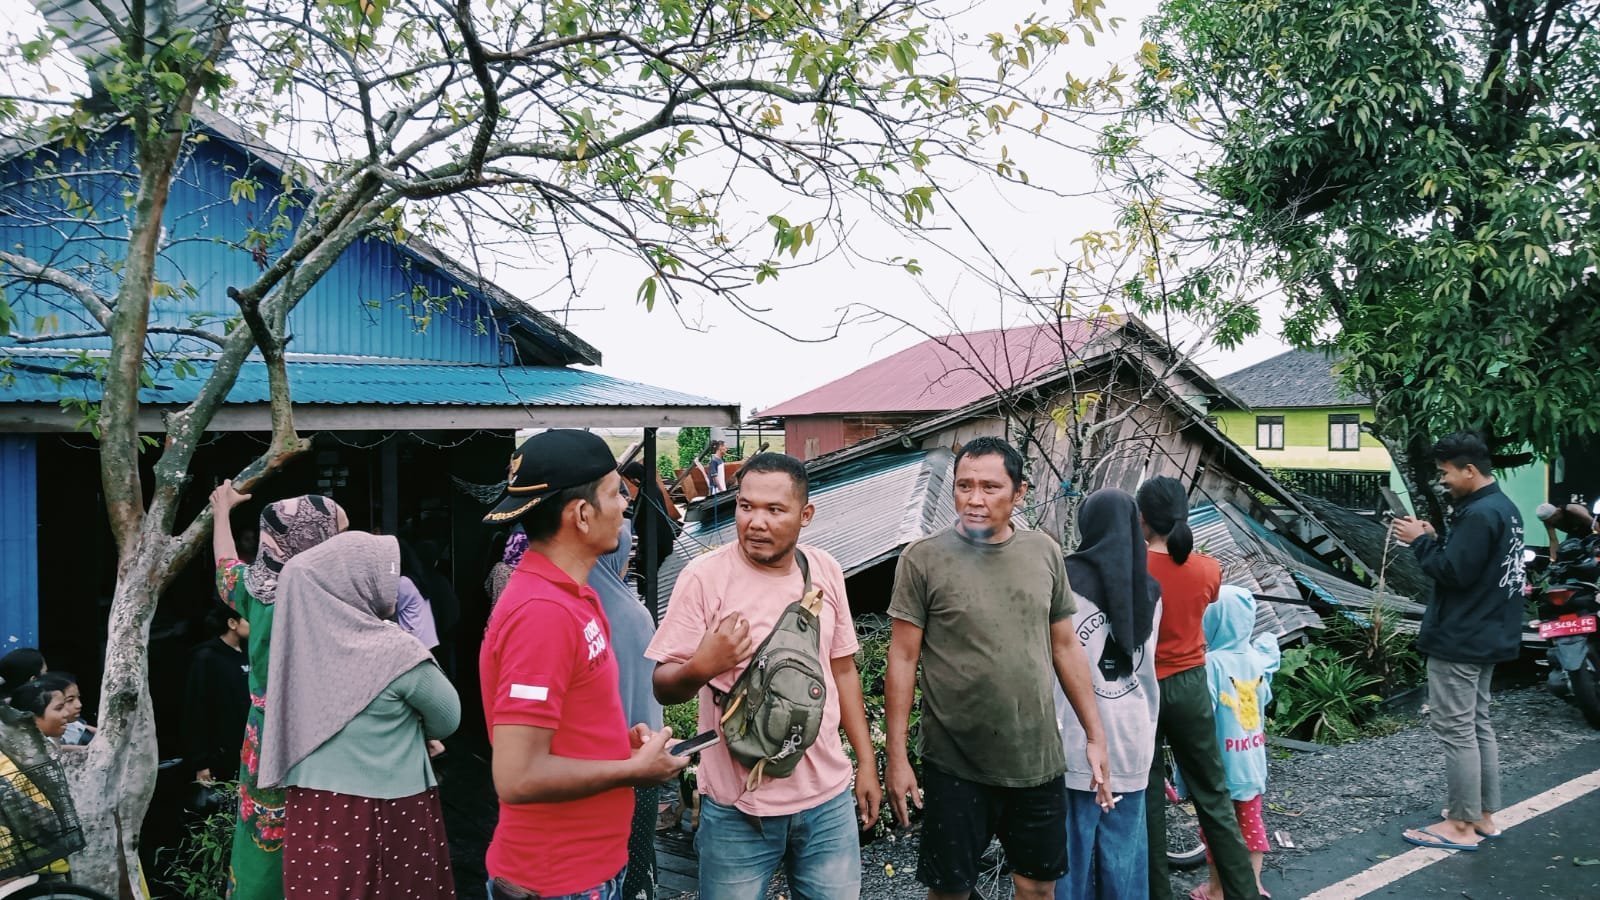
[19, 543]
[363, 306]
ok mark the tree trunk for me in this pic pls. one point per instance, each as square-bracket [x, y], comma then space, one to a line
[1065, 514]
[113, 778]
[1421, 472]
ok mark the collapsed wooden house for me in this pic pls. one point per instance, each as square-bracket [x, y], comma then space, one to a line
[1115, 406]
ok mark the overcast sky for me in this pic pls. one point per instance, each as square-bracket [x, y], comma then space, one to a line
[707, 348]
[728, 357]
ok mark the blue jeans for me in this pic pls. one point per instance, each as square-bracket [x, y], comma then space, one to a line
[611, 890]
[1107, 852]
[819, 849]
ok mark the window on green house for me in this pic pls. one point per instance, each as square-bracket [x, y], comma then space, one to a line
[1344, 432]
[1269, 432]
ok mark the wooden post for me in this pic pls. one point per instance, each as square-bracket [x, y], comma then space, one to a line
[389, 466]
[645, 521]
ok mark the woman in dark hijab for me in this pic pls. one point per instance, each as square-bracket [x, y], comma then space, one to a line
[1118, 606]
[1189, 583]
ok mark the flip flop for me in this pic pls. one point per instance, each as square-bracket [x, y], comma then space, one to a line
[1487, 835]
[1440, 842]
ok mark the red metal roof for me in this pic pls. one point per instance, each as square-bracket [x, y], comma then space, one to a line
[948, 372]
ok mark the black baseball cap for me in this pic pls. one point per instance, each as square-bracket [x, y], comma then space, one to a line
[549, 462]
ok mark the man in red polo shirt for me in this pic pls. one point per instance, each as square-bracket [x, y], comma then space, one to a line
[565, 760]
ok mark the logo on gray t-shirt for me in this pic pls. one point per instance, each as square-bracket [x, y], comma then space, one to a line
[1122, 687]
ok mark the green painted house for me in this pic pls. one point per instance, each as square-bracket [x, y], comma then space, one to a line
[1305, 426]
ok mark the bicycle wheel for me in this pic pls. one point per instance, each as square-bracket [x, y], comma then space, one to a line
[1185, 850]
[46, 891]
[994, 876]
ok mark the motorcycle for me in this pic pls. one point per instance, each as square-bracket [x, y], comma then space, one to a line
[1568, 604]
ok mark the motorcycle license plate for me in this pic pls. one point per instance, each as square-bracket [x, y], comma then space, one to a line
[1568, 625]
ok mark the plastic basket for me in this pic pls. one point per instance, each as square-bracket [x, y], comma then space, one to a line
[38, 824]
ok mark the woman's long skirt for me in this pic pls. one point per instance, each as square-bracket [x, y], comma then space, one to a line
[340, 846]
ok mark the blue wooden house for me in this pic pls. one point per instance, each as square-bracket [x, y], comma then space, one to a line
[410, 373]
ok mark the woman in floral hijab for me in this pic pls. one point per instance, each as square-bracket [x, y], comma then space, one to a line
[288, 527]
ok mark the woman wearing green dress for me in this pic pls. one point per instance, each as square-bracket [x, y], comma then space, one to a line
[288, 527]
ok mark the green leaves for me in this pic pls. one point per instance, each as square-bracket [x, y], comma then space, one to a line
[242, 189]
[917, 202]
[647, 292]
[790, 238]
[1319, 696]
[1422, 197]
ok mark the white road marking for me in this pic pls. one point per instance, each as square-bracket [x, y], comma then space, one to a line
[1391, 870]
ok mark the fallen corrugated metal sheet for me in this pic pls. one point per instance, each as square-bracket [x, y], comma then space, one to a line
[1330, 587]
[865, 513]
[46, 379]
[1253, 557]
[1279, 611]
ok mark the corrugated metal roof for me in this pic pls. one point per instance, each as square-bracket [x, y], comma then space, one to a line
[19, 543]
[1243, 564]
[945, 373]
[1378, 551]
[865, 513]
[363, 305]
[43, 379]
[1264, 563]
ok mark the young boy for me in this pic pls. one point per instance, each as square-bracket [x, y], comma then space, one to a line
[1240, 674]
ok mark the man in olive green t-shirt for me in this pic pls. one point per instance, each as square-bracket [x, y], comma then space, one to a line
[988, 610]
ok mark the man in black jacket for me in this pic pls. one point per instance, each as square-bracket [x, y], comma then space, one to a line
[1473, 622]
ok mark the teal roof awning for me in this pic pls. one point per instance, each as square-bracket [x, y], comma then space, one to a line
[521, 396]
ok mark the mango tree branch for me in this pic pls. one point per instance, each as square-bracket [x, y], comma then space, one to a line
[186, 545]
[456, 177]
[130, 319]
[185, 428]
[345, 201]
[265, 329]
[91, 299]
[250, 307]
[477, 59]
[201, 334]
[265, 324]
[541, 48]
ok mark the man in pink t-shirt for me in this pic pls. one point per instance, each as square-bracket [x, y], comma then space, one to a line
[723, 606]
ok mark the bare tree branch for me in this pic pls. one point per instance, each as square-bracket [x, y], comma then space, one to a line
[91, 299]
[209, 337]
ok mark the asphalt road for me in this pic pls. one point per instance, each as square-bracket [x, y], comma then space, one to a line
[1559, 805]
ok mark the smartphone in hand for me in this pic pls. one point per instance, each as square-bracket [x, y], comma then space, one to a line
[696, 744]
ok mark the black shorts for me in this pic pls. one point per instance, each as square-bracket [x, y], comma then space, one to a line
[960, 817]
